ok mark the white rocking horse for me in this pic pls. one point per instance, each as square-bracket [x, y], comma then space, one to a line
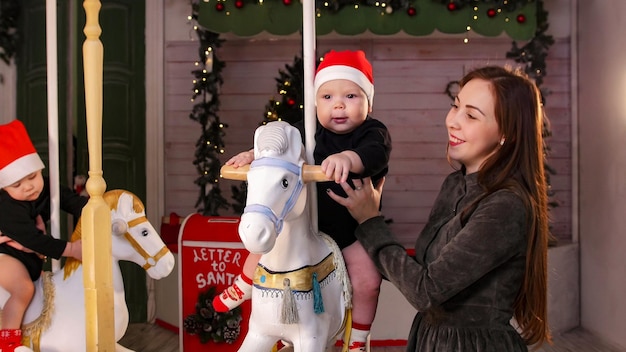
[55, 319]
[301, 292]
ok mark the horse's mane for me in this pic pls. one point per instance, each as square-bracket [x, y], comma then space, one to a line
[111, 198]
[274, 138]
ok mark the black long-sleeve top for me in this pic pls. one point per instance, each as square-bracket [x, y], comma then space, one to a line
[17, 221]
[371, 141]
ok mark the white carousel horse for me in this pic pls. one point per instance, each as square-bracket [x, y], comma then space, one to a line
[55, 319]
[301, 291]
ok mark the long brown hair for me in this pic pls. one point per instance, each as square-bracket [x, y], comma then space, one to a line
[518, 165]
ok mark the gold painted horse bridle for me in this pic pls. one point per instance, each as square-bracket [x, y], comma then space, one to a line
[150, 260]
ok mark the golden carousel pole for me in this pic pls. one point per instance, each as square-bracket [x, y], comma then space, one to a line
[96, 215]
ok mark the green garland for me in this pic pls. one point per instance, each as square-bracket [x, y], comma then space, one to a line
[210, 325]
[533, 54]
[210, 144]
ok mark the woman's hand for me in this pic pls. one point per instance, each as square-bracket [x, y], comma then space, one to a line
[363, 202]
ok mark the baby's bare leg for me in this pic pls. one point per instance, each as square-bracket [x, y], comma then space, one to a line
[15, 280]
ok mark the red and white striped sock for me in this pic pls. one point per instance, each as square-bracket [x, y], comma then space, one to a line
[358, 337]
[233, 295]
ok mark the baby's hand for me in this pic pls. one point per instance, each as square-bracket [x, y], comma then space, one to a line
[337, 167]
[241, 159]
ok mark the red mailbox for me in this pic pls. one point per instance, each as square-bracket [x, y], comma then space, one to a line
[211, 256]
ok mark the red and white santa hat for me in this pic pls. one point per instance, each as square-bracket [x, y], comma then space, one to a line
[18, 156]
[350, 65]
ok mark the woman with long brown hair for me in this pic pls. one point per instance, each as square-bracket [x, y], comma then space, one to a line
[481, 259]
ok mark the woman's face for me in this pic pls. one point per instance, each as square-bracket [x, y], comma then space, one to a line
[341, 106]
[473, 133]
[28, 188]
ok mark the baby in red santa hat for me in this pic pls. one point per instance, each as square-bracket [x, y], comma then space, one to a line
[25, 204]
[349, 144]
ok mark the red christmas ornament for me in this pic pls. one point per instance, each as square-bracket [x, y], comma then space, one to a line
[239, 4]
[492, 13]
[291, 102]
[451, 6]
[521, 18]
[287, 2]
[219, 7]
[411, 11]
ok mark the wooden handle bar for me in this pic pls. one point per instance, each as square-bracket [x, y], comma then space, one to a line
[310, 173]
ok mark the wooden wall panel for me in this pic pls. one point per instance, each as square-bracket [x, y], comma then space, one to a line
[410, 77]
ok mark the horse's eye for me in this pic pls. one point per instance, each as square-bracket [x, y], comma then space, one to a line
[284, 183]
[145, 233]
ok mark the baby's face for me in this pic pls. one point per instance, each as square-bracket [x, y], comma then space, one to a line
[28, 188]
[342, 106]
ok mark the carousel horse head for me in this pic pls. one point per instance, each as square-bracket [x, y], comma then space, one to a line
[134, 238]
[276, 179]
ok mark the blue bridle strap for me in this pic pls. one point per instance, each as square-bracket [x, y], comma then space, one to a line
[291, 202]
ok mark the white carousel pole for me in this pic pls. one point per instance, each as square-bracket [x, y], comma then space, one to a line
[310, 119]
[53, 121]
[96, 216]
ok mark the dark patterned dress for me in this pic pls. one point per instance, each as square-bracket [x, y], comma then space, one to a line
[466, 273]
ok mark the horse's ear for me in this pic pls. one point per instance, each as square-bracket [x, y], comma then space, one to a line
[313, 173]
[125, 203]
[231, 173]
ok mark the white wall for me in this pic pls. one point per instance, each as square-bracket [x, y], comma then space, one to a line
[602, 126]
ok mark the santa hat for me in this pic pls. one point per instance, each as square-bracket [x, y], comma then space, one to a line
[18, 157]
[350, 65]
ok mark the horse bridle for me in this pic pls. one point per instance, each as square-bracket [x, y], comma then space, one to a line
[151, 260]
[296, 169]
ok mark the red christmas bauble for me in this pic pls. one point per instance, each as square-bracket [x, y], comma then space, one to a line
[451, 6]
[291, 101]
[411, 11]
[287, 2]
[219, 6]
[521, 18]
[239, 4]
[492, 13]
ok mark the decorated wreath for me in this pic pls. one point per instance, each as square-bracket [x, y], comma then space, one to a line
[210, 325]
